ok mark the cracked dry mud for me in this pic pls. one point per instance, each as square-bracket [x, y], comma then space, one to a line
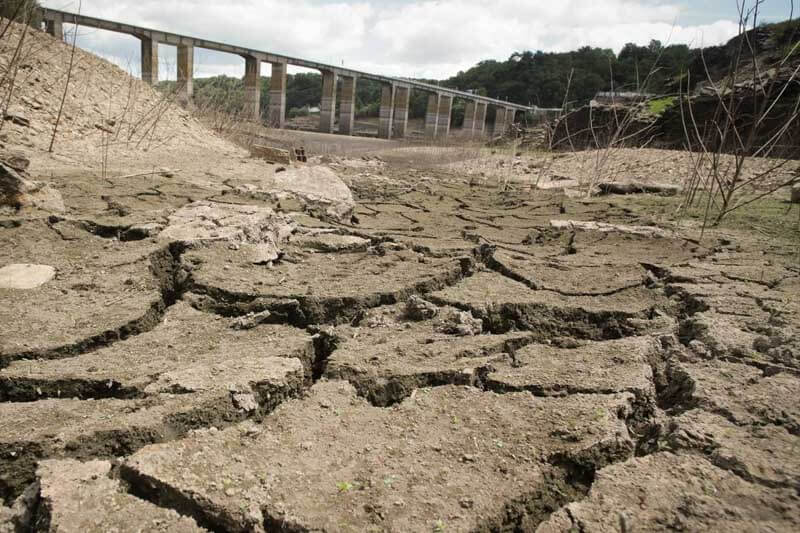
[540, 379]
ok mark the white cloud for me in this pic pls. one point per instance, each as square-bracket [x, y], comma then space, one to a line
[428, 38]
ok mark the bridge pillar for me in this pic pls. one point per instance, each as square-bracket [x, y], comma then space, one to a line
[469, 117]
[347, 105]
[186, 71]
[432, 115]
[149, 60]
[445, 108]
[277, 96]
[327, 110]
[511, 115]
[499, 122]
[386, 113]
[480, 118]
[252, 88]
[400, 120]
[55, 26]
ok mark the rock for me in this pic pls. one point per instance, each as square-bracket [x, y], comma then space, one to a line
[634, 187]
[18, 162]
[460, 323]
[19, 516]
[319, 190]
[25, 276]
[18, 192]
[17, 115]
[419, 309]
[603, 227]
[258, 229]
[271, 154]
[141, 231]
[325, 241]
[250, 320]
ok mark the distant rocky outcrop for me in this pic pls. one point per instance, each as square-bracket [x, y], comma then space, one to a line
[600, 125]
[761, 94]
[748, 100]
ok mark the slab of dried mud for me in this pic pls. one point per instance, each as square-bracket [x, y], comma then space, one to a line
[451, 361]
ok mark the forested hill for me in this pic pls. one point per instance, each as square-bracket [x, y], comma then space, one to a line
[541, 78]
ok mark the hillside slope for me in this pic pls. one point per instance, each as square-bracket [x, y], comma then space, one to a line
[108, 116]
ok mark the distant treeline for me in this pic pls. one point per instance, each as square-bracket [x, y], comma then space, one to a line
[542, 78]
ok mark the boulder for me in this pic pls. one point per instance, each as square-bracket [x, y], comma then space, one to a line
[419, 309]
[16, 114]
[636, 187]
[18, 192]
[258, 229]
[603, 227]
[271, 154]
[22, 276]
[20, 515]
[318, 189]
[460, 323]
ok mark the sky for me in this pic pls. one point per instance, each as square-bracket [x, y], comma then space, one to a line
[405, 38]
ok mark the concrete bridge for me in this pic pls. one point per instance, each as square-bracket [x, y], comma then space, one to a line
[395, 92]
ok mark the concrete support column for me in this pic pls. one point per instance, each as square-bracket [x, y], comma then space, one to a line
[327, 110]
[149, 60]
[499, 122]
[55, 27]
[445, 107]
[252, 88]
[469, 117]
[432, 115]
[277, 96]
[347, 105]
[386, 112]
[186, 71]
[511, 115]
[480, 118]
[400, 122]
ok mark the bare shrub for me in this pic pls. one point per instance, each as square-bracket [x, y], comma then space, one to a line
[752, 111]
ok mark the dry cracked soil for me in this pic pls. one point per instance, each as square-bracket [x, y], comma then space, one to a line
[447, 360]
[456, 354]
